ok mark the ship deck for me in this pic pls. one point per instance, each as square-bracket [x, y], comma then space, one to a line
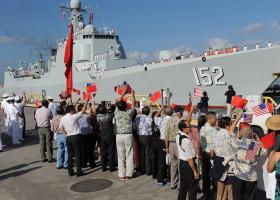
[24, 177]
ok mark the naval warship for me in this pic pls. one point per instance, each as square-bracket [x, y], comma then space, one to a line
[99, 57]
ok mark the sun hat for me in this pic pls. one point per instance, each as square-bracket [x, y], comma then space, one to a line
[6, 95]
[273, 122]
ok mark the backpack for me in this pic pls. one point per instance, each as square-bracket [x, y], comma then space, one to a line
[155, 129]
[181, 137]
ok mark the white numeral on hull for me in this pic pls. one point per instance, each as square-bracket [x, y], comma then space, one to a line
[202, 76]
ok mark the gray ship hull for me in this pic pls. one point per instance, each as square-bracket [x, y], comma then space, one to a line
[250, 72]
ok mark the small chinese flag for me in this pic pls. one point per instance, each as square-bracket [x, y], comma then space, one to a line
[270, 107]
[156, 96]
[188, 107]
[238, 102]
[86, 96]
[268, 140]
[77, 91]
[173, 105]
[91, 88]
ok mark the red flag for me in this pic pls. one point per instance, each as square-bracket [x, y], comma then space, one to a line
[77, 91]
[173, 105]
[238, 102]
[268, 140]
[91, 88]
[270, 107]
[86, 95]
[68, 56]
[156, 96]
[188, 107]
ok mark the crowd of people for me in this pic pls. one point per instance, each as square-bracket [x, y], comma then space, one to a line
[208, 155]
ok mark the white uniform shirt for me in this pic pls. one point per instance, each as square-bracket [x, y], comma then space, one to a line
[161, 123]
[207, 133]
[186, 150]
[4, 104]
[70, 123]
[52, 106]
[12, 112]
[20, 107]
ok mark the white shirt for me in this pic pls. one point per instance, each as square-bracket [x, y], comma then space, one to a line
[161, 123]
[52, 106]
[207, 133]
[12, 112]
[4, 104]
[186, 150]
[20, 107]
[70, 123]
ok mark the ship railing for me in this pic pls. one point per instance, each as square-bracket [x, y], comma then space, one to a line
[211, 52]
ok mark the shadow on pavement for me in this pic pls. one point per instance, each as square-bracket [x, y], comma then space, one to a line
[18, 173]
[17, 167]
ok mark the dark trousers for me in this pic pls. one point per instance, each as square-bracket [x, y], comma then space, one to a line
[145, 154]
[162, 167]
[88, 146]
[24, 127]
[155, 153]
[206, 180]
[74, 146]
[45, 138]
[108, 147]
[244, 190]
[187, 182]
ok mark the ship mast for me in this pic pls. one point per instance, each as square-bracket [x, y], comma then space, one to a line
[75, 9]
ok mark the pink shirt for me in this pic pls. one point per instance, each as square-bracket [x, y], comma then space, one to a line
[43, 116]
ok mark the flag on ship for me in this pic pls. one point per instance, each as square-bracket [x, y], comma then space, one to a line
[68, 56]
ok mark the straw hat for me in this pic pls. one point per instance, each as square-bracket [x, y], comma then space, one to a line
[273, 122]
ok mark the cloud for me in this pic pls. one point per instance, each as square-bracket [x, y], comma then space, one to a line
[5, 39]
[138, 55]
[253, 28]
[275, 26]
[219, 43]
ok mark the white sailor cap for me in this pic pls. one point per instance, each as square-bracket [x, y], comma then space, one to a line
[10, 99]
[17, 98]
[6, 95]
[49, 97]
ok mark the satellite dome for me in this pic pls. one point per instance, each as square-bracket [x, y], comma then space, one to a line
[89, 27]
[75, 4]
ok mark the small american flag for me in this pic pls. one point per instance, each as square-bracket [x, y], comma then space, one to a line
[198, 92]
[260, 109]
[253, 150]
[247, 117]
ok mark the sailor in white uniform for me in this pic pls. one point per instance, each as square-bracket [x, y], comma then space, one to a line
[52, 106]
[4, 104]
[13, 117]
[20, 106]
[5, 130]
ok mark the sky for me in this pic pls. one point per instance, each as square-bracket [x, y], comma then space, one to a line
[145, 27]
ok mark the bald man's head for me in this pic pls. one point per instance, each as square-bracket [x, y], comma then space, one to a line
[168, 111]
